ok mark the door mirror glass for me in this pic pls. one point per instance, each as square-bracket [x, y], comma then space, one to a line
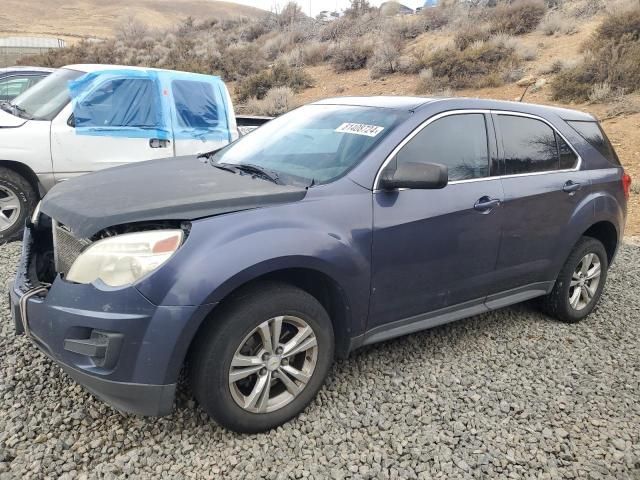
[422, 176]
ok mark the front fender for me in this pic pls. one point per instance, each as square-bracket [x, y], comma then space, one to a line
[331, 235]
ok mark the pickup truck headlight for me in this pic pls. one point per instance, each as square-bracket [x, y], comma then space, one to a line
[124, 259]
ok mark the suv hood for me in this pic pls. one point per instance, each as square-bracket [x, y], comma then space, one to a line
[10, 121]
[183, 188]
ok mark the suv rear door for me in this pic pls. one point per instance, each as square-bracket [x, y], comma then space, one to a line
[433, 249]
[543, 188]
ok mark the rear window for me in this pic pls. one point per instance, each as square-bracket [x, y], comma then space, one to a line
[593, 133]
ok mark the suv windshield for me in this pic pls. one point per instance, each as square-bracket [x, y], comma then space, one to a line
[45, 99]
[313, 144]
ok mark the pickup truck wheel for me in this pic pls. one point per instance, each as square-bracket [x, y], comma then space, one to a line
[580, 282]
[262, 358]
[17, 202]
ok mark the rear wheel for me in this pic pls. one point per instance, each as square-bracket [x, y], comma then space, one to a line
[263, 358]
[580, 282]
[17, 201]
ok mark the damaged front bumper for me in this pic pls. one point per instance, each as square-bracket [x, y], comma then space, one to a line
[114, 342]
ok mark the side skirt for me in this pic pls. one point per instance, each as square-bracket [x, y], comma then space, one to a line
[432, 319]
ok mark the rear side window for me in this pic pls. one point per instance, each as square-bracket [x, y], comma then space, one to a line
[529, 145]
[196, 105]
[592, 133]
[568, 157]
[457, 141]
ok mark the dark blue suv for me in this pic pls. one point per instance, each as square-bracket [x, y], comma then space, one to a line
[343, 223]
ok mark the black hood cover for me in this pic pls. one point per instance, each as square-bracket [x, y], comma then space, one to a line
[182, 188]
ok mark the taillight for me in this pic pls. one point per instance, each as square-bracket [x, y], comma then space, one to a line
[626, 184]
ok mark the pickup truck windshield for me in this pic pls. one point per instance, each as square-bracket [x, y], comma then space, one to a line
[313, 144]
[45, 100]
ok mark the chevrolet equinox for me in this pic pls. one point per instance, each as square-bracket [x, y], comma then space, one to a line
[342, 223]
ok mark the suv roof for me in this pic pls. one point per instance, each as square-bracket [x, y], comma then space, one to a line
[451, 103]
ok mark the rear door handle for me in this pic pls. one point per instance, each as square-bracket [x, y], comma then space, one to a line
[486, 204]
[158, 143]
[571, 187]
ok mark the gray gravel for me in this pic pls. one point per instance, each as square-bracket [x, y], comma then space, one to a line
[510, 394]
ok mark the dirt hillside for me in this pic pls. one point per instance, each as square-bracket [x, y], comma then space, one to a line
[73, 19]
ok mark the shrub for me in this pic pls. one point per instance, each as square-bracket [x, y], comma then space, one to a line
[602, 93]
[277, 101]
[556, 23]
[238, 61]
[386, 57]
[612, 56]
[468, 34]
[517, 18]
[350, 56]
[430, 85]
[280, 75]
[480, 65]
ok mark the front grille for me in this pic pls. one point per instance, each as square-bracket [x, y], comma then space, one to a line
[66, 248]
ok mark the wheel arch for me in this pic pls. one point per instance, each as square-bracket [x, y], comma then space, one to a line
[606, 232]
[314, 281]
[26, 172]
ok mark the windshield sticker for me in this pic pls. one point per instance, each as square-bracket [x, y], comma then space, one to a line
[359, 129]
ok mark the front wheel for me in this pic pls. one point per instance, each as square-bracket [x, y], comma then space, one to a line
[262, 358]
[17, 202]
[580, 282]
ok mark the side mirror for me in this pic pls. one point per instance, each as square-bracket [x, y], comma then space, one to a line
[421, 176]
[71, 121]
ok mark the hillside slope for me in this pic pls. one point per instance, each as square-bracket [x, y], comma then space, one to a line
[95, 18]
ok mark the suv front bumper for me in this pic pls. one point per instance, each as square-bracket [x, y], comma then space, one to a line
[114, 342]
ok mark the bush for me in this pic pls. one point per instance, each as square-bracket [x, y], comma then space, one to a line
[612, 57]
[430, 85]
[556, 23]
[350, 56]
[386, 57]
[517, 18]
[277, 101]
[280, 75]
[480, 65]
[468, 34]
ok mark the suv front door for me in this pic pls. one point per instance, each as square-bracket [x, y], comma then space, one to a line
[434, 249]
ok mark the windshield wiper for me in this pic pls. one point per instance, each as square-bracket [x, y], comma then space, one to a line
[20, 110]
[223, 166]
[256, 170]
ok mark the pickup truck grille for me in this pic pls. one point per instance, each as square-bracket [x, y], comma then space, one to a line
[66, 248]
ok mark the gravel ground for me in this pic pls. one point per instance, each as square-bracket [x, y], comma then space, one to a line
[509, 394]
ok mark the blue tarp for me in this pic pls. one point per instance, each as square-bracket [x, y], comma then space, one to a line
[139, 103]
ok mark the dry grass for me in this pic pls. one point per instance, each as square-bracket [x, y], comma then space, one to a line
[518, 17]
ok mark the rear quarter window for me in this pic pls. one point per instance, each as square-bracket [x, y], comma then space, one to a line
[593, 133]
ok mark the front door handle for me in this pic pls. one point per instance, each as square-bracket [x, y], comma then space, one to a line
[486, 204]
[571, 187]
[158, 143]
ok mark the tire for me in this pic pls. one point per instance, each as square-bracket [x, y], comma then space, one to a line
[230, 334]
[558, 303]
[17, 192]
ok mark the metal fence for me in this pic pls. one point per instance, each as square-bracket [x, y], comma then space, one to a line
[14, 48]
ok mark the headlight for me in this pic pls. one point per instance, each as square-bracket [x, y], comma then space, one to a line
[123, 259]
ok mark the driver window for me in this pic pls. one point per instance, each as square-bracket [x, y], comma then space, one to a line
[122, 102]
[457, 141]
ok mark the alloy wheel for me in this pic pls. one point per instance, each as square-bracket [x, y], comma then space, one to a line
[585, 281]
[273, 364]
[9, 208]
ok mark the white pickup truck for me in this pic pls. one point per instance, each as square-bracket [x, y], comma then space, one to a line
[84, 118]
